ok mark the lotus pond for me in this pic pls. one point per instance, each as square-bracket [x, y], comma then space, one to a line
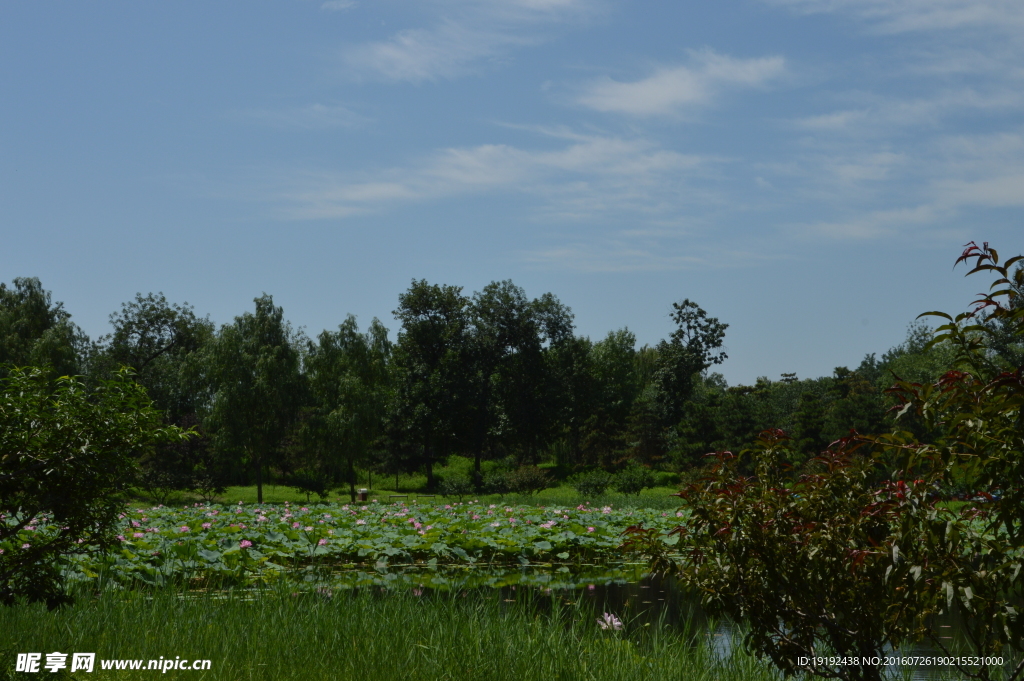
[459, 543]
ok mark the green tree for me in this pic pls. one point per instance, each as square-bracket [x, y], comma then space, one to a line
[35, 331]
[67, 457]
[808, 426]
[256, 390]
[856, 405]
[576, 392]
[155, 338]
[349, 381]
[619, 380]
[160, 342]
[692, 348]
[430, 414]
[514, 375]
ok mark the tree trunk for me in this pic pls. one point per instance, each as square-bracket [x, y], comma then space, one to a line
[259, 476]
[351, 481]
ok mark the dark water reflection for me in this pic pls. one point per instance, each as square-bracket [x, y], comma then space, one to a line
[625, 590]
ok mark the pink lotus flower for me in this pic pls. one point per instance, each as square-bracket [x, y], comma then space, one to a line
[139, 535]
[296, 524]
[609, 621]
[25, 546]
[245, 543]
[360, 522]
[184, 528]
[322, 542]
[590, 529]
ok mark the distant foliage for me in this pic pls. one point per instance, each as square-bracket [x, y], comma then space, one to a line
[527, 480]
[456, 486]
[633, 479]
[496, 482]
[591, 483]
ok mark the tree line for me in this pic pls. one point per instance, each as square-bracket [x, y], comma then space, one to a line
[492, 376]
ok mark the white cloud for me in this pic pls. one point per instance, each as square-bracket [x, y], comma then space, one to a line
[876, 224]
[445, 51]
[613, 255]
[877, 115]
[312, 117]
[469, 32]
[337, 5]
[981, 170]
[588, 176]
[902, 16]
[670, 90]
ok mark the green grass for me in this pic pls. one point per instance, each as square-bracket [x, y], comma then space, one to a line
[366, 635]
[564, 495]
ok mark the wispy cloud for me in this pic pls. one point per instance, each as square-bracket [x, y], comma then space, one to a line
[337, 5]
[467, 34]
[444, 51]
[614, 254]
[312, 117]
[587, 175]
[671, 90]
[902, 16]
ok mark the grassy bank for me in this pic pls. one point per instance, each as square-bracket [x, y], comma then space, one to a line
[367, 635]
[564, 495]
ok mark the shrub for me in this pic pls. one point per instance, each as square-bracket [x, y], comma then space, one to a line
[591, 483]
[633, 479]
[456, 486]
[496, 482]
[527, 480]
[310, 482]
[666, 479]
[68, 460]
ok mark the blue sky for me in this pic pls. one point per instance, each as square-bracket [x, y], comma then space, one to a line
[806, 170]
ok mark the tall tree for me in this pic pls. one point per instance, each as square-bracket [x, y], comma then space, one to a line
[155, 338]
[160, 341]
[256, 389]
[431, 356]
[575, 394]
[348, 377]
[692, 348]
[618, 381]
[514, 341]
[35, 331]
